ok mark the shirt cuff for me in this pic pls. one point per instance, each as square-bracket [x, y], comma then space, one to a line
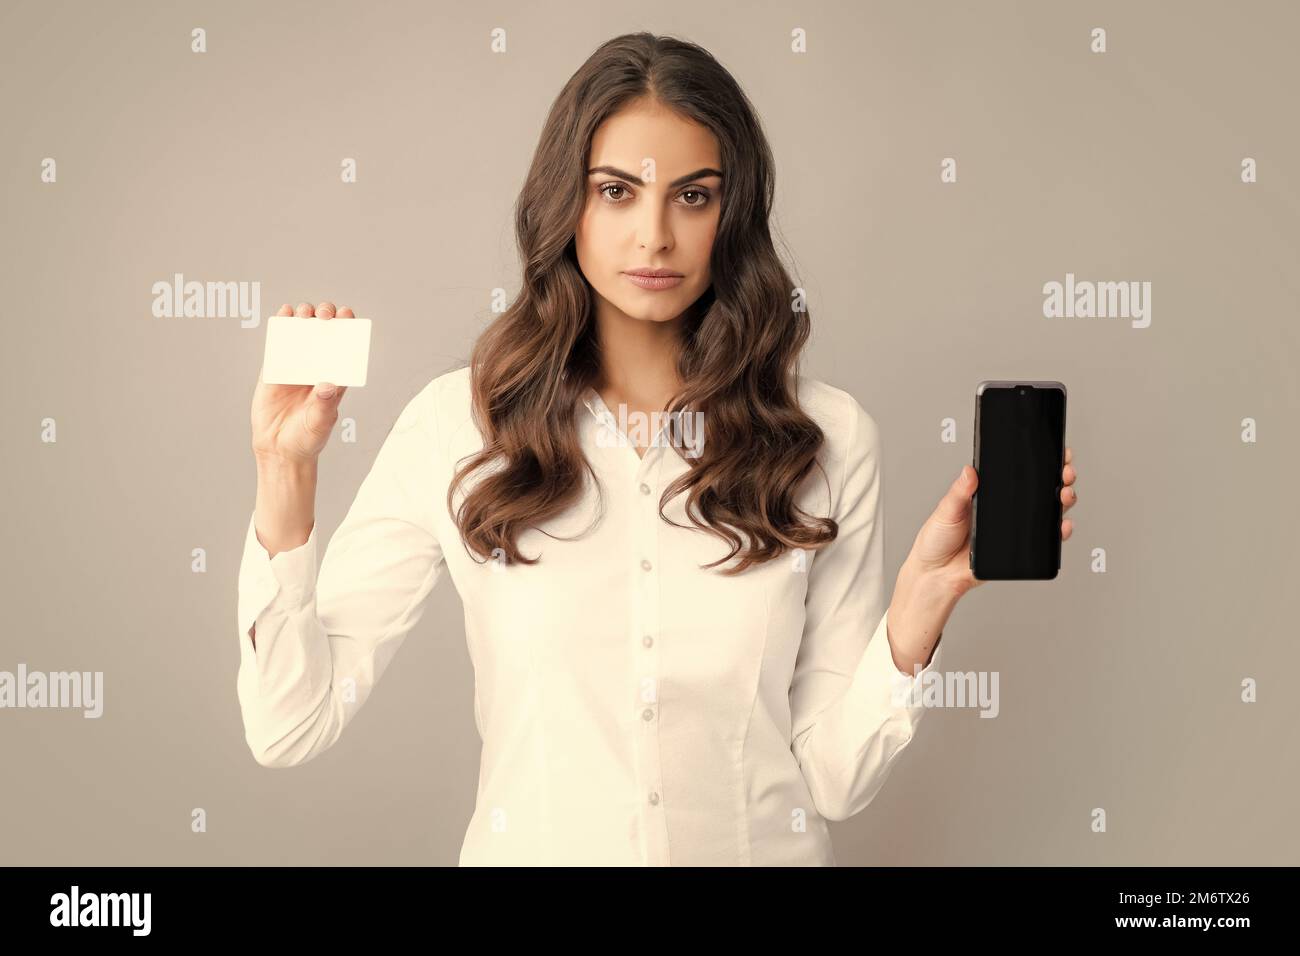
[880, 688]
[289, 577]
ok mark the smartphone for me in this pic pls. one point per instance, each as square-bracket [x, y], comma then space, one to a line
[1019, 453]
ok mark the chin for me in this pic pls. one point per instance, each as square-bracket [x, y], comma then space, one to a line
[656, 315]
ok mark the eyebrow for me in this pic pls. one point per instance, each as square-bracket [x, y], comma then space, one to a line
[679, 181]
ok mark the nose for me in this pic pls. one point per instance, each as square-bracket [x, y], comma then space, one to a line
[653, 230]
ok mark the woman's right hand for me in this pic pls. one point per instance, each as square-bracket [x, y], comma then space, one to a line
[292, 423]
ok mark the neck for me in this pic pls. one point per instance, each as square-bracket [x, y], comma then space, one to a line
[638, 359]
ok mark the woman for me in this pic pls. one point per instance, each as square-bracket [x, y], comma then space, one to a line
[671, 627]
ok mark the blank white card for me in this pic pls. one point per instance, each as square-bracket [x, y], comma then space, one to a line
[311, 350]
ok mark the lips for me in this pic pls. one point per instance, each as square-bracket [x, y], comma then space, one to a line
[655, 273]
[655, 280]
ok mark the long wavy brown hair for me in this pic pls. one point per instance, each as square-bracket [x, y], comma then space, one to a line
[741, 340]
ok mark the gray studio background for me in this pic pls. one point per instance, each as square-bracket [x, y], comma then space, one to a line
[1119, 690]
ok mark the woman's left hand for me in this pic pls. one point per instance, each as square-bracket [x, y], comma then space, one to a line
[937, 571]
[942, 546]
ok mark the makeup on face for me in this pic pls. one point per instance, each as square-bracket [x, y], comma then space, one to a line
[653, 278]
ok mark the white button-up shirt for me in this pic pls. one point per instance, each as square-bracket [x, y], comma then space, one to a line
[634, 707]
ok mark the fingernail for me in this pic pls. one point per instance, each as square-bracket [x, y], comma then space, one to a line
[325, 392]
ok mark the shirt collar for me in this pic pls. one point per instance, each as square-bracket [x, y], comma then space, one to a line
[596, 405]
[602, 415]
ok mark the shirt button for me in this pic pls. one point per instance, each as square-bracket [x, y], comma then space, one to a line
[648, 714]
[654, 797]
[645, 565]
[645, 489]
[647, 640]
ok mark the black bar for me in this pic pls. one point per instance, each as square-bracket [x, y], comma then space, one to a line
[333, 905]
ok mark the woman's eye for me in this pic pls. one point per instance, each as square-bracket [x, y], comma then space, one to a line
[607, 191]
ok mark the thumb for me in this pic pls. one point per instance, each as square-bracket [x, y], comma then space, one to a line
[954, 507]
[328, 393]
[321, 410]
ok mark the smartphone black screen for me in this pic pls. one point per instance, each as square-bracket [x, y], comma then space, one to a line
[1019, 454]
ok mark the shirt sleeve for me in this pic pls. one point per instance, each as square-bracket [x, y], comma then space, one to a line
[852, 710]
[323, 643]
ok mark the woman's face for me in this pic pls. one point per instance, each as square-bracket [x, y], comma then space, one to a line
[654, 191]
